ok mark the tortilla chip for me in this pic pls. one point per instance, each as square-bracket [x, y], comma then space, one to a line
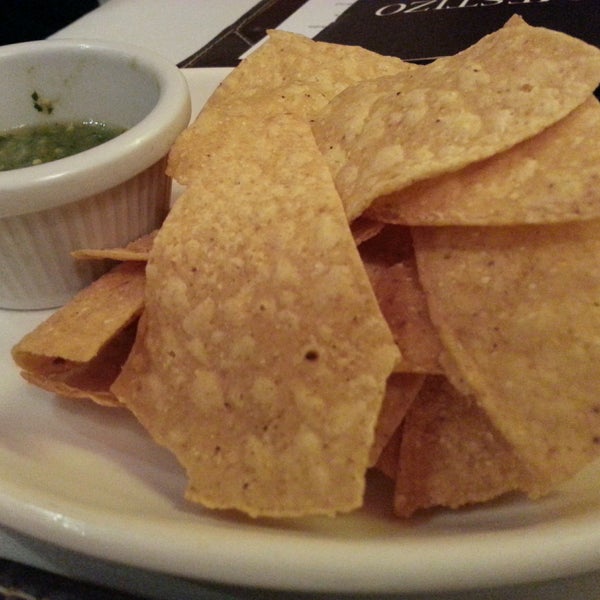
[553, 177]
[338, 126]
[91, 380]
[404, 307]
[136, 250]
[389, 262]
[288, 74]
[517, 311]
[401, 390]
[77, 352]
[387, 461]
[458, 110]
[450, 455]
[78, 331]
[262, 357]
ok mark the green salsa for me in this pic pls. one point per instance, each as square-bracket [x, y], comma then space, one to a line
[28, 146]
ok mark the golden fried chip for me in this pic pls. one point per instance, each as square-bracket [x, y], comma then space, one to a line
[517, 311]
[387, 462]
[77, 352]
[401, 390]
[404, 307]
[288, 74]
[389, 262]
[262, 357]
[78, 331]
[458, 110]
[338, 126]
[91, 380]
[450, 455]
[136, 250]
[552, 177]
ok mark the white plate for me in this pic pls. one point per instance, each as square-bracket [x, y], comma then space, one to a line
[89, 479]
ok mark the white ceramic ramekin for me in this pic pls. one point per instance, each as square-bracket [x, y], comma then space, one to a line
[102, 197]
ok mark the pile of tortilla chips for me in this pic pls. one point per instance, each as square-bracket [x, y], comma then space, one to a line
[374, 265]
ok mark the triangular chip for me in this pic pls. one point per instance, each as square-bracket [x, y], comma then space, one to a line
[289, 73]
[401, 390]
[78, 351]
[387, 461]
[389, 261]
[263, 357]
[450, 455]
[138, 249]
[550, 178]
[458, 110]
[91, 380]
[82, 327]
[517, 310]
